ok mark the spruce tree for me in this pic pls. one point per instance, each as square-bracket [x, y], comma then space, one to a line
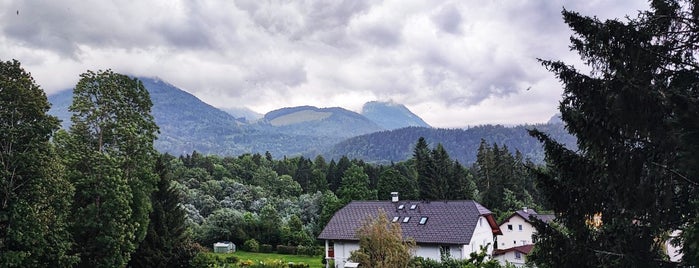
[167, 242]
[635, 116]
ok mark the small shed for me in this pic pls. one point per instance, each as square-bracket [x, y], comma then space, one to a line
[224, 247]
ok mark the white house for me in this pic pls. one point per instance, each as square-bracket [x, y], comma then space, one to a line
[514, 255]
[517, 229]
[461, 227]
[516, 239]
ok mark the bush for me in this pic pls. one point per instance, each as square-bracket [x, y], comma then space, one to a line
[251, 245]
[266, 248]
[205, 260]
[282, 249]
[310, 250]
[298, 265]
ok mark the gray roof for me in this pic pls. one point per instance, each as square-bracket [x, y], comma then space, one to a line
[530, 212]
[448, 222]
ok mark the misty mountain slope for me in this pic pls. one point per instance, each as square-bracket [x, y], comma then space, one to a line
[318, 122]
[461, 144]
[187, 124]
[391, 115]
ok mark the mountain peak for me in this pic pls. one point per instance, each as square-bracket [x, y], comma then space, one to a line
[391, 115]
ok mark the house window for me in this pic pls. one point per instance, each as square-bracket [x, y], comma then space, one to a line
[480, 221]
[520, 227]
[406, 219]
[413, 206]
[524, 242]
[518, 255]
[514, 242]
[509, 227]
[395, 219]
[423, 220]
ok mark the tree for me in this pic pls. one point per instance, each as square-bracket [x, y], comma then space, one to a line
[110, 158]
[355, 185]
[34, 193]
[167, 243]
[424, 168]
[381, 244]
[636, 168]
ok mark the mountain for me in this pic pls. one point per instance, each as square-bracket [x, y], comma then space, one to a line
[243, 113]
[318, 122]
[187, 124]
[390, 115]
[462, 144]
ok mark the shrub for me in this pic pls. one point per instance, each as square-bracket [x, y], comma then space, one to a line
[266, 248]
[251, 245]
[282, 249]
[298, 265]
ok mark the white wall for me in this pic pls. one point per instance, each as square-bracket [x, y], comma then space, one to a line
[482, 235]
[511, 258]
[342, 251]
[515, 237]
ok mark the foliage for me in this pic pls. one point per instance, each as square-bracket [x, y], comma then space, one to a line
[381, 244]
[505, 181]
[34, 193]
[355, 185]
[110, 157]
[439, 177]
[251, 245]
[635, 118]
[167, 243]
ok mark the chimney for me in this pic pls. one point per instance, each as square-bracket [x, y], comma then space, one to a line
[525, 210]
[394, 197]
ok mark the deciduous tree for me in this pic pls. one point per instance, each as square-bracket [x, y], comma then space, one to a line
[110, 158]
[34, 193]
[381, 244]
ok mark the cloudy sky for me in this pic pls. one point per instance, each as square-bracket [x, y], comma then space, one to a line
[453, 63]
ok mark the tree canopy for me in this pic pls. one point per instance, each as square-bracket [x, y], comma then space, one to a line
[635, 115]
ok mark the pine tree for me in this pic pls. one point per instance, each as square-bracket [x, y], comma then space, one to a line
[635, 171]
[34, 193]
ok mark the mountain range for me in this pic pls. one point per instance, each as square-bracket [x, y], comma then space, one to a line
[382, 132]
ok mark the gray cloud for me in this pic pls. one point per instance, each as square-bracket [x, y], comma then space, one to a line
[454, 63]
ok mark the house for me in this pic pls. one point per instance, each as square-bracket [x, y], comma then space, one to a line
[516, 240]
[514, 255]
[459, 227]
[517, 229]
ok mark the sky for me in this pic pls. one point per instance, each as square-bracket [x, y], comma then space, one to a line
[453, 63]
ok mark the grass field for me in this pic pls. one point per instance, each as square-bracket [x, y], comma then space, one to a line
[314, 261]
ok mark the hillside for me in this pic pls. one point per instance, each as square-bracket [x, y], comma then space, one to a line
[390, 115]
[462, 144]
[187, 124]
[332, 122]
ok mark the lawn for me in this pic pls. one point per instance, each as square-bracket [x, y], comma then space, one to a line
[314, 261]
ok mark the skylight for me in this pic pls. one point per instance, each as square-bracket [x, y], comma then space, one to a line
[423, 220]
[413, 206]
[406, 219]
[395, 219]
[401, 206]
